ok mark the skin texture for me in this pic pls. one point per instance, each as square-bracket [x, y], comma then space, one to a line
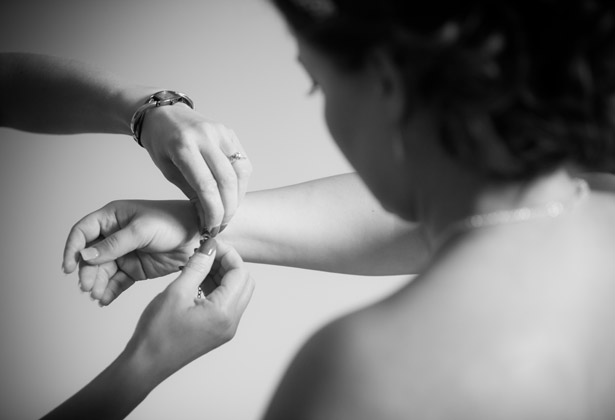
[508, 322]
[513, 321]
[332, 224]
[58, 96]
[175, 329]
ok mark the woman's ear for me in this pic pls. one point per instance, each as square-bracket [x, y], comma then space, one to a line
[389, 83]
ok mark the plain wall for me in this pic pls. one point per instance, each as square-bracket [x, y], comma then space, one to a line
[237, 61]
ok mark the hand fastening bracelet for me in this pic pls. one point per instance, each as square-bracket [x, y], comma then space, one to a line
[164, 97]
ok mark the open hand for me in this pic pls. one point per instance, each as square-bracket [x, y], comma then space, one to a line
[130, 240]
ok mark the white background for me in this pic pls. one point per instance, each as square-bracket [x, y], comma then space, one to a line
[237, 61]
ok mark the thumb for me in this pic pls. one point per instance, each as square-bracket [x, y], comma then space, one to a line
[112, 247]
[197, 267]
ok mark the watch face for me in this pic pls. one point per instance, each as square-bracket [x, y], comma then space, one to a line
[165, 94]
[170, 97]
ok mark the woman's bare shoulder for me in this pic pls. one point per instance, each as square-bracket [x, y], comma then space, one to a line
[350, 371]
[314, 385]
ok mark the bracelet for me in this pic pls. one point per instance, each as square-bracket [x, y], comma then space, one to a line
[161, 98]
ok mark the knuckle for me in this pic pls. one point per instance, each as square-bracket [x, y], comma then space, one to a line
[199, 265]
[207, 186]
[184, 145]
[212, 131]
[111, 242]
[218, 127]
[227, 180]
[76, 229]
[137, 227]
[245, 169]
[111, 207]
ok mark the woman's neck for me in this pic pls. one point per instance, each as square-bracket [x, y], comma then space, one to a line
[452, 199]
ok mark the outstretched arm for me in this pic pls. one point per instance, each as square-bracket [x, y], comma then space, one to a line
[53, 95]
[331, 224]
[60, 96]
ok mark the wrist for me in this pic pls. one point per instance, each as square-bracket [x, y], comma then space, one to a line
[142, 371]
[158, 99]
[127, 99]
[114, 393]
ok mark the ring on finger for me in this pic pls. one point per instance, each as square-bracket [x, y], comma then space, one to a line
[235, 157]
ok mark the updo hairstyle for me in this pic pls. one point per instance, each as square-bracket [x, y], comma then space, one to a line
[519, 86]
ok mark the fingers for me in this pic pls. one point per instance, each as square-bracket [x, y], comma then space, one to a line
[208, 285]
[203, 183]
[236, 285]
[118, 242]
[242, 167]
[84, 231]
[112, 247]
[213, 180]
[116, 286]
[229, 284]
[87, 277]
[94, 279]
[103, 282]
[226, 178]
[228, 289]
[196, 269]
[193, 154]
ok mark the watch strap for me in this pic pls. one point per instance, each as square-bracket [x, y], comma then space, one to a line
[160, 98]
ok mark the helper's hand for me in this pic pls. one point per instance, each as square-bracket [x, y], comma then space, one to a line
[175, 328]
[194, 154]
[126, 241]
[178, 327]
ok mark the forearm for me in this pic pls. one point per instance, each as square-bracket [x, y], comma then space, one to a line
[60, 96]
[331, 224]
[113, 394]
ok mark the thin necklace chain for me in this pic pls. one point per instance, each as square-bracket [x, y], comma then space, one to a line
[548, 210]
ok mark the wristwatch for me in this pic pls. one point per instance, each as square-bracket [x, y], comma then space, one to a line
[161, 98]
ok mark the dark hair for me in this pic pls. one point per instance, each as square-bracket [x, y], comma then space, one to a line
[538, 75]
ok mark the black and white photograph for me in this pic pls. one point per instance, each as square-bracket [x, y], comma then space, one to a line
[307, 209]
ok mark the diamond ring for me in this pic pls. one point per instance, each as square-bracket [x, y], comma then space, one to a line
[235, 157]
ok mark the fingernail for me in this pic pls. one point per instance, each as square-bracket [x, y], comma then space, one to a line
[89, 254]
[223, 227]
[208, 247]
[214, 231]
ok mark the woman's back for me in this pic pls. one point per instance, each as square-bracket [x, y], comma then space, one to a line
[509, 322]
